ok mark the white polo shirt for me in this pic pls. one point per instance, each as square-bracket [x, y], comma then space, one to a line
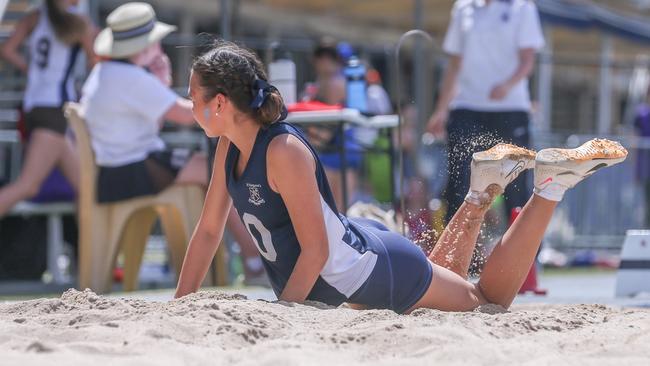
[489, 37]
[123, 106]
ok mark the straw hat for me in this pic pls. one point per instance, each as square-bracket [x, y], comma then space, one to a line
[132, 27]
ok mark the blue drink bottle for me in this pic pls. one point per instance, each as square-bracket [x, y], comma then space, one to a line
[355, 76]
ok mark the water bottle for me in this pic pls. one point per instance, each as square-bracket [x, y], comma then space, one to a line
[355, 76]
[282, 75]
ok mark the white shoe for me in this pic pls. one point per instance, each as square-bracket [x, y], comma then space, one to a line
[499, 166]
[557, 170]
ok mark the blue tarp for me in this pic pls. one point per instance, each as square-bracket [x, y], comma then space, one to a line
[585, 15]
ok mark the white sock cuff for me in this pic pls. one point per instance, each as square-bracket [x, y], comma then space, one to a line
[552, 192]
[477, 198]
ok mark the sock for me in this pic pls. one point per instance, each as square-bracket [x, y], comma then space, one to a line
[485, 198]
[552, 192]
[478, 198]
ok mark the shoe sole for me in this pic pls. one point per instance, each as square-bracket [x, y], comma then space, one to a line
[586, 159]
[597, 150]
[502, 152]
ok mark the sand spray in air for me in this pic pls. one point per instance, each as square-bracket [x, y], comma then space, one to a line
[427, 238]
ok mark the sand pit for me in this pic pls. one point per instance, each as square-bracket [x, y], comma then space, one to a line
[216, 328]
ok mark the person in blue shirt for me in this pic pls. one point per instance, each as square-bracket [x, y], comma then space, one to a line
[269, 172]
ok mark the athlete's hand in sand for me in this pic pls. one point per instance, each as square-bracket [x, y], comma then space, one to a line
[436, 124]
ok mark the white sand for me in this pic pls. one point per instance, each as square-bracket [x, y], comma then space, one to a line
[82, 328]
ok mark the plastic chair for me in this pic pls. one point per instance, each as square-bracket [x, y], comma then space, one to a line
[107, 228]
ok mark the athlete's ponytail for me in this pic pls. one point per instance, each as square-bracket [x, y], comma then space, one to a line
[68, 27]
[238, 73]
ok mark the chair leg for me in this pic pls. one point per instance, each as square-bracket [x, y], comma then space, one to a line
[175, 233]
[133, 242]
[93, 235]
[104, 260]
[98, 243]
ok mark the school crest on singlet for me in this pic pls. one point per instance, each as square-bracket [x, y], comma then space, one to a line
[254, 194]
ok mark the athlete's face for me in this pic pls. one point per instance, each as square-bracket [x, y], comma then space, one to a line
[207, 114]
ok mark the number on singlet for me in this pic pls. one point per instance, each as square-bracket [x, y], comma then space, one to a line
[266, 249]
[42, 52]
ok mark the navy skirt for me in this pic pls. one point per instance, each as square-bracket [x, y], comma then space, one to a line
[142, 178]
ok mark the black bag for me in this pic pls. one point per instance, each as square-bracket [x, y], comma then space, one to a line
[23, 247]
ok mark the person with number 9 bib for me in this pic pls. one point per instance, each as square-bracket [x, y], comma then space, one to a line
[56, 32]
[266, 168]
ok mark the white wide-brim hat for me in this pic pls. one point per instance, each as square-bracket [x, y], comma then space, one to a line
[132, 27]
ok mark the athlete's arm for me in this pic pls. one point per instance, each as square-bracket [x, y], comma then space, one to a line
[10, 49]
[209, 230]
[291, 170]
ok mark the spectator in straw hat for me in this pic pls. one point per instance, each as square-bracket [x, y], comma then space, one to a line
[125, 100]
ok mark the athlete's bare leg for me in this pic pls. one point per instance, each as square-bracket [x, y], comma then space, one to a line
[492, 171]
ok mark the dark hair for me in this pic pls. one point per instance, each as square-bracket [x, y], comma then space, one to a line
[232, 70]
[327, 48]
[68, 27]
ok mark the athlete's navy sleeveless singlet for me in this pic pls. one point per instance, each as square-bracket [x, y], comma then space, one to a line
[367, 264]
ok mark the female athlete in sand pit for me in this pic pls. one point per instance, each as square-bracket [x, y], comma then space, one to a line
[276, 182]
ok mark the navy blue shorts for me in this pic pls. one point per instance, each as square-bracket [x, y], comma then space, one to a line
[402, 274]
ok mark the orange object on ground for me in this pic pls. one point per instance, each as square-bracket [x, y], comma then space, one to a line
[530, 284]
